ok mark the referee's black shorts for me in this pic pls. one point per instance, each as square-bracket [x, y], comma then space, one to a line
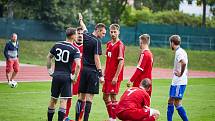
[89, 82]
[61, 86]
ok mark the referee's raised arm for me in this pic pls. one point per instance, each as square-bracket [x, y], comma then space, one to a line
[81, 22]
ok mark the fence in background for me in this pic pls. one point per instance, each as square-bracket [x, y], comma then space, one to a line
[192, 37]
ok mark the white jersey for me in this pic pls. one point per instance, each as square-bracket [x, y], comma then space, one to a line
[180, 54]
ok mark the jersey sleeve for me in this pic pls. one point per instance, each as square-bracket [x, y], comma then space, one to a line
[136, 75]
[6, 51]
[85, 34]
[121, 52]
[98, 48]
[179, 57]
[142, 62]
[139, 69]
[52, 51]
[106, 52]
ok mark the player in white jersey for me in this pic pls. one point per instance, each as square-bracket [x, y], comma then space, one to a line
[179, 80]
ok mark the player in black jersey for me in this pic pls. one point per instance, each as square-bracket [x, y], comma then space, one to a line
[64, 54]
[91, 73]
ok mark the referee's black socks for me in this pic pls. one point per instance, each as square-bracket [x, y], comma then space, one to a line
[61, 114]
[87, 110]
[50, 114]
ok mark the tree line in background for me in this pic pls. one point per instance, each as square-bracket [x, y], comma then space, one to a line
[63, 13]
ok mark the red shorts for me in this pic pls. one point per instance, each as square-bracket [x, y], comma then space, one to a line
[134, 115]
[108, 88]
[76, 86]
[12, 64]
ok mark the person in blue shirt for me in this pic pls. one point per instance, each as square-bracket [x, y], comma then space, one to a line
[11, 56]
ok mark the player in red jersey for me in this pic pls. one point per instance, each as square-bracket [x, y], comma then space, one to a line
[78, 44]
[134, 104]
[144, 67]
[113, 73]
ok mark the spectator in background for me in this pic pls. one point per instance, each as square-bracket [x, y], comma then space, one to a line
[12, 60]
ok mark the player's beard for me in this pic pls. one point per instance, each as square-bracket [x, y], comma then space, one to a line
[79, 41]
[113, 37]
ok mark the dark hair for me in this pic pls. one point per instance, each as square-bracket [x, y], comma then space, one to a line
[79, 28]
[114, 26]
[99, 26]
[146, 83]
[175, 39]
[70, 31]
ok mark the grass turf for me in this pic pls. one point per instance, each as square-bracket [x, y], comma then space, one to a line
[35, 52]
[29, 101]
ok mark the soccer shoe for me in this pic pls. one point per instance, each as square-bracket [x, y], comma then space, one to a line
[9, 83]
[68, 119]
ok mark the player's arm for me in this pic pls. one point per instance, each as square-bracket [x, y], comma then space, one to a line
[77, 69]
[119, 68]
[49, 63]
[99, 68]
[120, 64]
[81, 22]
[183, 66]
[139, 69]
[6, 52]
[181, 60]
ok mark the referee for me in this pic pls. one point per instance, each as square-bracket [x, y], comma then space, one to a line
[91, 73]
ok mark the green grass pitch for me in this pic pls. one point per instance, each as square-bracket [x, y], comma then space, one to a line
[28, 102]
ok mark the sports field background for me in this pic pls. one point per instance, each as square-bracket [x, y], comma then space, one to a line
[29, 101]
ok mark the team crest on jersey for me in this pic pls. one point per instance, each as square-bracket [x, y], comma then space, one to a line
[109, 54]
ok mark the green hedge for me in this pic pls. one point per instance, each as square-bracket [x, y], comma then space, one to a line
[132, 16]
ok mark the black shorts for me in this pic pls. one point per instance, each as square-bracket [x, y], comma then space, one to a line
[61, 86]
[89, 82]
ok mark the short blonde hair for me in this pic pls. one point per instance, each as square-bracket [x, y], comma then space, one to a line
[114, 26]
[145, 38]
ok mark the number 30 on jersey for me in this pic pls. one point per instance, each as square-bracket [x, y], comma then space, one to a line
[62, 55]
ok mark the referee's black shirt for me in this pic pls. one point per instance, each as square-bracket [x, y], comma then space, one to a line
[91, 47]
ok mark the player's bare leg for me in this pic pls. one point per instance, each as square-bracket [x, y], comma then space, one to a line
[13, 75]
[8, 75]
[114, 103]
[108, 103]
[51, 108]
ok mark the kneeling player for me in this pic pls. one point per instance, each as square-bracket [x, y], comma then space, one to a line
[135, 102]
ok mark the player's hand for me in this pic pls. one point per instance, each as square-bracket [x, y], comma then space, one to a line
[129, 83]
[73, 78]
[101, 80]
[80, 17]
[177, 73]
[114, 81]
[50, 71]
[154, 112]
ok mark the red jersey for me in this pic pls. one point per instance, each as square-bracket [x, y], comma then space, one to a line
[134, 98]
[114, 53]
[144, 68]
[75, 86]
